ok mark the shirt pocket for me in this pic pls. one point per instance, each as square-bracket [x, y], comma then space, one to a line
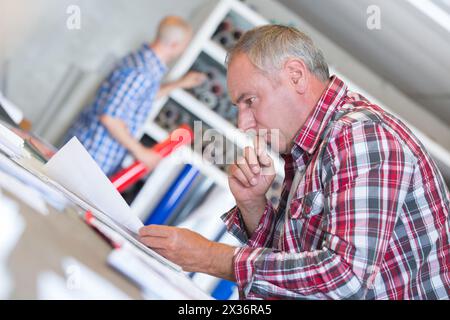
[308, 206]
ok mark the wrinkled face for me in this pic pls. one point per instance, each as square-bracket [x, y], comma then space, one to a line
[262, 103]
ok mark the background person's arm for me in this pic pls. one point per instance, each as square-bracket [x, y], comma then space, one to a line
[121, 101]
[119, 131]
[189, 80]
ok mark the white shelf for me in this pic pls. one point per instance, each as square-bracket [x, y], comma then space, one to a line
[246, 13]
[202, 36]
[215, 51]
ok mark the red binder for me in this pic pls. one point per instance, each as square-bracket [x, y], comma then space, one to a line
[125, 178]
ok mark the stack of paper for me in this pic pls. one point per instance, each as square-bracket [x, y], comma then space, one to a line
[32, 179]
[11, 144]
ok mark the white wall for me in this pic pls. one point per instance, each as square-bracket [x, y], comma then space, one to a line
[41, 48]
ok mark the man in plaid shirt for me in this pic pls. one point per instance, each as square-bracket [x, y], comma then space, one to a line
[364, 213]
[109, 127]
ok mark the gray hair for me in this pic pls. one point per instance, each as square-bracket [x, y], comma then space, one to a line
[269, 46]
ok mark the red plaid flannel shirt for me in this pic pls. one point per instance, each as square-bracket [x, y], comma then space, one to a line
[369, 219]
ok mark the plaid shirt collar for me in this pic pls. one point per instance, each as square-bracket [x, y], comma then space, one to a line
[150, 57]
[310, 135]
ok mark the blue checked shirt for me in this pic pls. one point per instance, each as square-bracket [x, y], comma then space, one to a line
[126, 94]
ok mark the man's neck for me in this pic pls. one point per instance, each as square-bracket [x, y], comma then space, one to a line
[318, 88]
[311, 99]
[160, 51]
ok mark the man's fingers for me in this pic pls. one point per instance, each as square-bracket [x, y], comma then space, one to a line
[252, 159]
[155, 231]
[154, 242]
[237, 174]
[261, 151]
[247, 171]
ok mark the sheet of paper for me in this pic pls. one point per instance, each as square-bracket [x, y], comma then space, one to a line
[75, 170]
[12, 225]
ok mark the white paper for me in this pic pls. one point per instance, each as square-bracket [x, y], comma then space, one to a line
[75, 170]
[53, 197]
[28, 195]
[51, 286]
[156, 281]
[79, 283]
[11, 227]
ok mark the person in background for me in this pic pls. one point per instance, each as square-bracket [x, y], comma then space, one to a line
[108, 127]
[364, 212]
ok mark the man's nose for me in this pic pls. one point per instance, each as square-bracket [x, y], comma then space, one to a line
[246, 120]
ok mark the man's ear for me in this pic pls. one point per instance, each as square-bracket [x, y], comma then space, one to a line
[297, 73]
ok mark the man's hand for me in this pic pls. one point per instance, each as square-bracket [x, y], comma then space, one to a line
[148, 157]
[250, 178]
[190, 250]
[191, 79]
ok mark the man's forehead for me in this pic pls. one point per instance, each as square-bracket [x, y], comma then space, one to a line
[238, 69]
[237, 88]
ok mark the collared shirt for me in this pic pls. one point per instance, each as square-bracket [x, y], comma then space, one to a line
[126, 94]
[368, 220]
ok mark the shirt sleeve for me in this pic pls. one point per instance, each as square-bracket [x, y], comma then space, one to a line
[262, 236]
[366, 181]
[124, 94]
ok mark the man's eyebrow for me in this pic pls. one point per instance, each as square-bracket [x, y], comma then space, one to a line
[241, 97]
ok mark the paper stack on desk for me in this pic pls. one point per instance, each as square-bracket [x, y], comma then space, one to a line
[74, 169]
[11, 144]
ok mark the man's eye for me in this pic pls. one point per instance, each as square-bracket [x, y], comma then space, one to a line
[250, 101]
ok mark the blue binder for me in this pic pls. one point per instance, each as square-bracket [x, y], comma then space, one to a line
[176, 193]
[223, 290]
